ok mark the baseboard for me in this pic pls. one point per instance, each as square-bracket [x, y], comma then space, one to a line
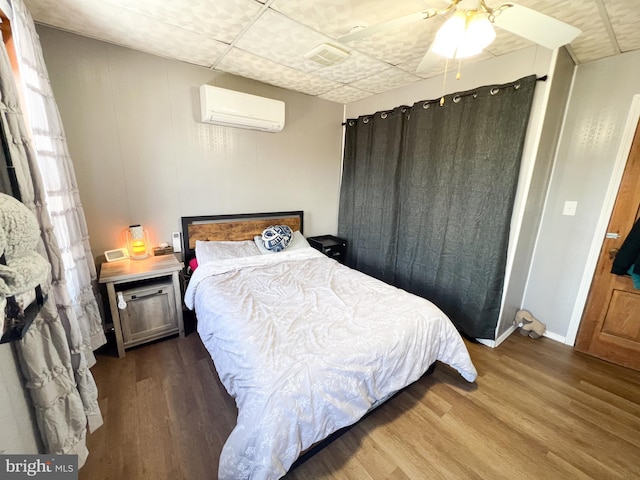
[506, 334]
[555, 336]
[495, 343]
[487, 343]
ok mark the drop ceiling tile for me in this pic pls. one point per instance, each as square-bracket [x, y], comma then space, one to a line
[598, 45]
[345, 94]
[222, 20]
[282, 40]
[105, 22]
[385, 80]
[399, 45]
[247, 65]
[337, 17]
[625, 20]
[356, 67]
[593, 42]
[187, 30]
[568, 11]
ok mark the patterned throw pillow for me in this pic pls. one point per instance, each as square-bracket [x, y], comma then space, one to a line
[276, 237]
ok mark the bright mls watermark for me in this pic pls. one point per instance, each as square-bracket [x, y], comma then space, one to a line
[46, 467]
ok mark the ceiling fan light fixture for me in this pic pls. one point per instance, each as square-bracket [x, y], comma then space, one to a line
[464, 35]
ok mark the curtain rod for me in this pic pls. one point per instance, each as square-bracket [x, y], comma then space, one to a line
[543, 78]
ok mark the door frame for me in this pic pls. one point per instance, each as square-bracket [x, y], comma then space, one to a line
[603, 222]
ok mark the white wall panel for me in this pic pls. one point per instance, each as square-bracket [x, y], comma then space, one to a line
[142, 156]
[597, 112]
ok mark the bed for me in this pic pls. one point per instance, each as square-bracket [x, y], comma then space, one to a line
[306, 346]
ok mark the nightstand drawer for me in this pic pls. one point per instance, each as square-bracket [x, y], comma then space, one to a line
[150, 313]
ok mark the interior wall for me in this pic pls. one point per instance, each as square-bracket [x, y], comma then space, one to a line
[596, 117]
[560, 80]
[141, 155]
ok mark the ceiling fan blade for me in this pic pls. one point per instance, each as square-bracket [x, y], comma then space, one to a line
[428, 62]
[536, 27]
[396, 22]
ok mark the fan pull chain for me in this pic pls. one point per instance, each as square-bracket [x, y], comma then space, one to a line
[444, 80]
[458, 75]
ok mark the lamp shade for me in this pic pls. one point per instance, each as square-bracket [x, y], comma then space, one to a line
[463, 35]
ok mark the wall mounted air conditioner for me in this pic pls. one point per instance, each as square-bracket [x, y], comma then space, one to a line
[236, 109]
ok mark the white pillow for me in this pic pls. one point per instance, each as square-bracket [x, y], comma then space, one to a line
[298, 241]
[224, 250]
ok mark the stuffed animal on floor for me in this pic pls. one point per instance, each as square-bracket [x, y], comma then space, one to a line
[529, 325]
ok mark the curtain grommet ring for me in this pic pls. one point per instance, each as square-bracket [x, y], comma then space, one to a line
[457, 99]
[494, 90]
[383, 115]
[404, 110]
[426, 105]
[516, 85]
[365, 120]
[475, 94]
[351, 123]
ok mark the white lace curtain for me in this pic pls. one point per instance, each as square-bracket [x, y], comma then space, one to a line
[79, 280]
[57, 350]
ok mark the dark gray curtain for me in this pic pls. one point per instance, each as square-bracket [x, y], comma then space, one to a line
[370, 192]
[427, 196]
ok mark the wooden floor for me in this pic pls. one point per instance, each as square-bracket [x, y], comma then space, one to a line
[538, 410]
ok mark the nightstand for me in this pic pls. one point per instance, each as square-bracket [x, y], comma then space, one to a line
[332, 247]
[144, 298]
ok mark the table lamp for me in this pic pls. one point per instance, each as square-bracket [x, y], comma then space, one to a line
[137, 242]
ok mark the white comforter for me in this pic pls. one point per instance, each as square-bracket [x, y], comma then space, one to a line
[306, 346]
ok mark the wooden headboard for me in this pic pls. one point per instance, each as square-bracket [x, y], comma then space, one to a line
[243, 226]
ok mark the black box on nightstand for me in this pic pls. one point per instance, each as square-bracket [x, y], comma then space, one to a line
[332, 247]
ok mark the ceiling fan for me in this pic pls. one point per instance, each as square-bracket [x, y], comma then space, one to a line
[470, 29]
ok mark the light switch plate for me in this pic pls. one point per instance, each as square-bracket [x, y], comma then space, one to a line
[570, 208]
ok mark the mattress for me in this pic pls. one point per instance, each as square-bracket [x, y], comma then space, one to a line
[306, 346]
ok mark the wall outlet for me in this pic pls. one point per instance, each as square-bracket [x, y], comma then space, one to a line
[176, 240]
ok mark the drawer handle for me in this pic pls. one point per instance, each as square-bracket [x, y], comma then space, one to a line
[135, 297]
[121, 302]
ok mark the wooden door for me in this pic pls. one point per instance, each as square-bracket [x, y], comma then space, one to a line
[610, 327]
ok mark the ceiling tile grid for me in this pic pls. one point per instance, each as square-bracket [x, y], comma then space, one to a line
[282, 40]
[386, 80]
[356, 67]
[625, 20]
[245, 64]
[267, 39]
[336, 18]
[221, 20]
[402, 44]
[345, 94]
[593, 42]
[100, 20]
